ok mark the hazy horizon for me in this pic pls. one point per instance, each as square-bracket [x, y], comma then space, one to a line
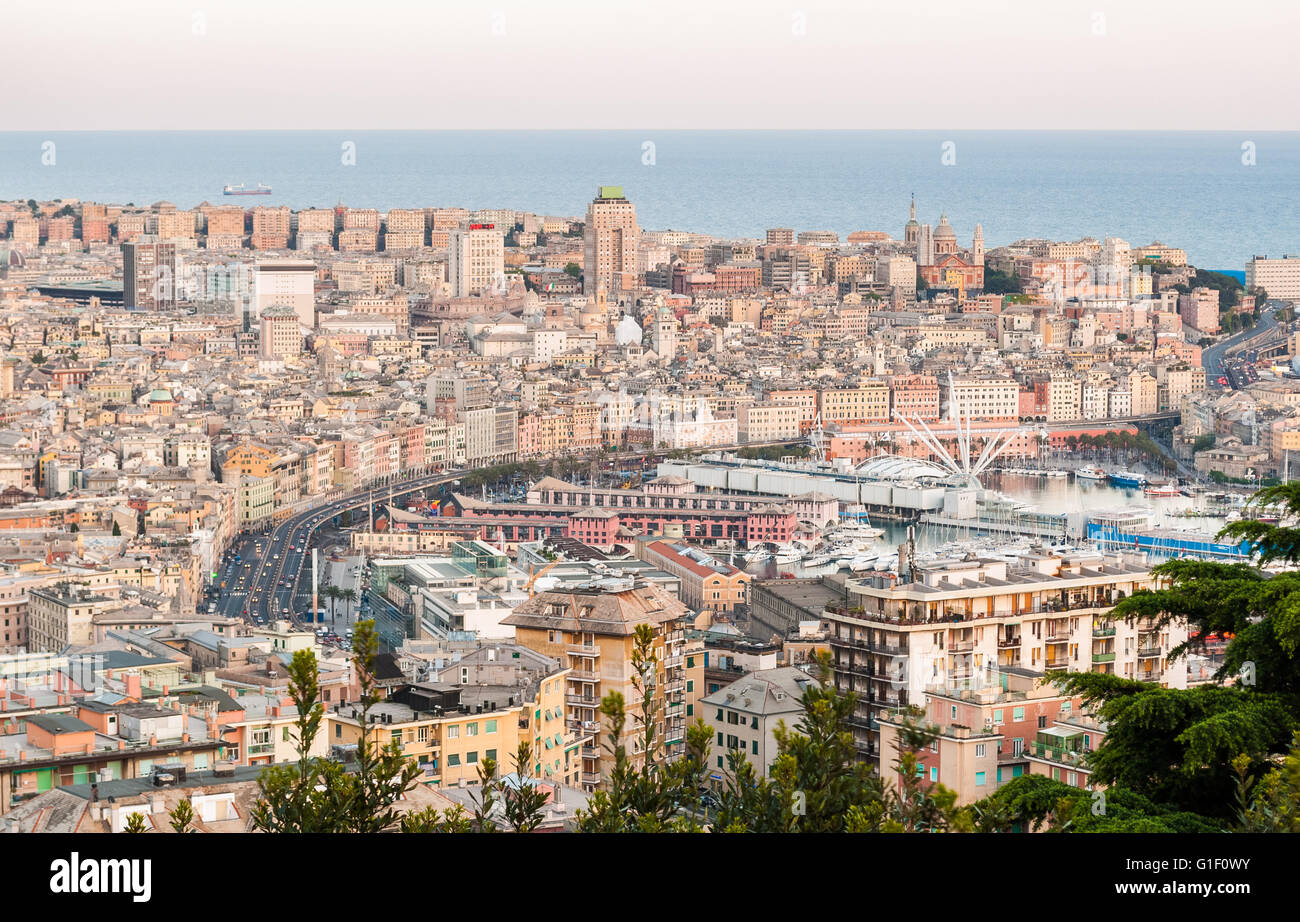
[675, 65]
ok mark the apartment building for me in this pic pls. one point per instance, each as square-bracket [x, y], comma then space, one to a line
[989, 736]
[448, 729]
[591, 629]
[1279, 277]
[744, 715]
[707, 583]
[63, 615]
[951, 624]
[769, 422]
[868, 402]
[477, 260]
[271, 228]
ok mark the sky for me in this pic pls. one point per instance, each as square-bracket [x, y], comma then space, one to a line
[665, 64]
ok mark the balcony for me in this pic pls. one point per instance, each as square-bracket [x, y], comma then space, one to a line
[591, 777]
[1148, 653]
[584, 675]
[1008, 643]
[591, 752]
[582, 701]
[1103, 657]
[1056, 664]
[1057, 637]
[1062, 754]
[1148, 677]
[672, 662]
[961, 646]
[583, 650]
[1104, 631]
[860, 643]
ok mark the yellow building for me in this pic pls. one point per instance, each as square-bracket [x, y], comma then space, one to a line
[448, 731]
[592, 630]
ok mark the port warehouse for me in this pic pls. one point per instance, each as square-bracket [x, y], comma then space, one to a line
[889, 499]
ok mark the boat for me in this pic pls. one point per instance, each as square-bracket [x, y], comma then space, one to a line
[1090, 473]
[1128, 479]
[1163, 488]
[776, 553]
[241, 189]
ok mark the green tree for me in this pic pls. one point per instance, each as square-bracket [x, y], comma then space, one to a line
[182, 818]
[524, 800]
[1176, 746]
[574, 270]
[135, 823]
[317, 794]
[1273, 804]
[348, 595]
[642, 794]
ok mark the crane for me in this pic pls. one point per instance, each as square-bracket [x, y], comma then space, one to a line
[532, 577]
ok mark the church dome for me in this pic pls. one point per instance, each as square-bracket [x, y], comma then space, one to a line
[944, 229]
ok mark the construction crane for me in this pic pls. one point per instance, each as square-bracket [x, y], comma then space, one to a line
[532, 577]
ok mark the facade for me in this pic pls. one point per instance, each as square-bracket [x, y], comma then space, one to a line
[744, 715]
[591, 631]
[477, 260]
[149, 273]
[610, 241]
[289, 284]
[1279, 277]
[952, 624]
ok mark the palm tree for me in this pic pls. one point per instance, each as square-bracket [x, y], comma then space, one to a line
[349, 596]
[332, 593]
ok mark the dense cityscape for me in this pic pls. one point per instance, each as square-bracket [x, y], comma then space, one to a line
[467, 484]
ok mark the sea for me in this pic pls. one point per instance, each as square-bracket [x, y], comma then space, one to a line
[1221, 196]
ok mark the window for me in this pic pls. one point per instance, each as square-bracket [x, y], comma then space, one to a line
[453, 759]
[690, 685]
[338, 731]
[285, 735]
[980, 779]
[1018, 714]
[1018, 747]
[397, 737]
[719, 761]
[755, 750]
[490, 726]
[997, 716]
[934, 773]
[423, 734]
[980, 750]
[471, 757]
[492, 754]
[719, 717]
[1042, 722]
[954, 711]
[719, 738]
[454, 732]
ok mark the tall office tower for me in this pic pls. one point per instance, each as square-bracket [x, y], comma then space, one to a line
[149, 273]
[609, 243]
[287, 283]
[477, 260]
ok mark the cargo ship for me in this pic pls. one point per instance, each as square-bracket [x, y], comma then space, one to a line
[241, 189]
[1128, 479]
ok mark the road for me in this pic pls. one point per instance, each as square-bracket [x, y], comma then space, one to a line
[1212, 356]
